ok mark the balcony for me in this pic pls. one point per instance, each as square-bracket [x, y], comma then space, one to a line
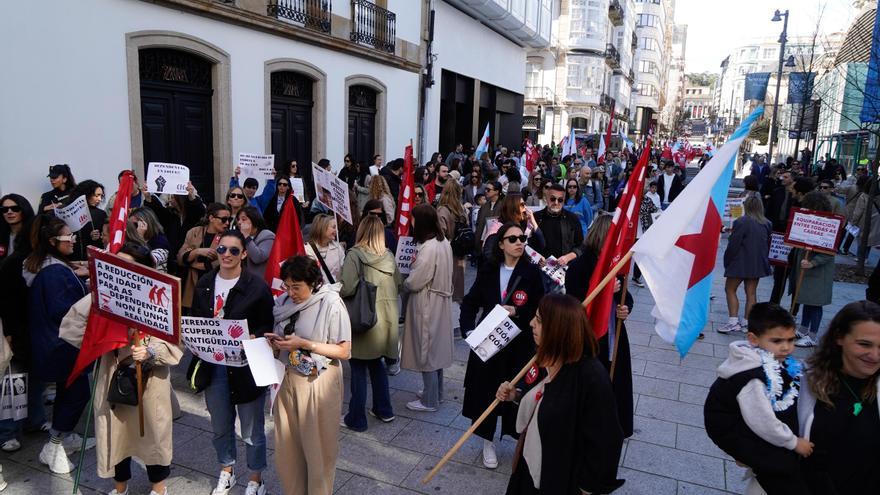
[615, 12]
[539, 94]
[312, 14]
[631, 76]
[635, 41]
[606, 103]
[373, 26]
[612, 56]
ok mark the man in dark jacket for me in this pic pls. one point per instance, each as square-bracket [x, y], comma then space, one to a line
[669, 184]
[489, 210]
[392, 172]
[561, 228]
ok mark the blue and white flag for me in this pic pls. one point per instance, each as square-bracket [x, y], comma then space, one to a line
[483, 147]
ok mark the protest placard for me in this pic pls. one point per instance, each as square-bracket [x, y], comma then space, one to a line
[778, 250]
[733, 209]
[263, 361]
[299, 189]
[76, 214]
[340, 198]
[406, 254]
[323, 194]
[550, 267]
[816, 230]
[216, 341]
[135, 295]
[167, 178]
[374, 170]
[493, 333]
[14, 396]
[256, 166]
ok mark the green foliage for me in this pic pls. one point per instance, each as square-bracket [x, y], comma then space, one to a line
[702, 79]
[760, 131]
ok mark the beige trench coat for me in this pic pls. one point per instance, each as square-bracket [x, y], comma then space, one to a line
[427, 335]
[117, 430]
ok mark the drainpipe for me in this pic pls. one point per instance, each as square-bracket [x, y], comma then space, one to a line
[427, 81]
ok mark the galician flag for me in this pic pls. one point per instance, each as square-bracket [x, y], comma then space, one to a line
[627, 143]
[677, 254]
[605, 142]
[483, 147]
[570, 144]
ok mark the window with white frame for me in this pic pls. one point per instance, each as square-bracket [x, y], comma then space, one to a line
[768, 53]
[533, 74]
[574, 73]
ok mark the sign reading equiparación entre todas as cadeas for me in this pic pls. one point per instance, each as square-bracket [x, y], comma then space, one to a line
[815, 230]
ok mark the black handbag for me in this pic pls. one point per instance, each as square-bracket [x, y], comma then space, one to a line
[123, 382]
[198, 375]
[361, 307]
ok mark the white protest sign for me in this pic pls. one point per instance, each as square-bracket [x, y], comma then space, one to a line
[216, 341]
[551, 267]
[167, 178]
[256, 166]
[814, 230]
[135, 295]
[280, 369]
[340, 198]
[374, 170]
[778, 250]
[322, 178]
[262, 361]
[299, 189]
[733, 209]
[493, 333]
[405, 254]
[76, 214]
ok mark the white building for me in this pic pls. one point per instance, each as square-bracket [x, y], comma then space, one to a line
[586, 73]
[676, 77]
[651, 61]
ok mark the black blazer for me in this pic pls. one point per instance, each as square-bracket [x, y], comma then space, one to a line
[486, 293]
[251, 300]
[677, 186]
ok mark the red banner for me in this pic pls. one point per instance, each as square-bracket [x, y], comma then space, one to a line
[405, 197]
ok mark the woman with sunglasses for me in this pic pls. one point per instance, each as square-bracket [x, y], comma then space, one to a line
[513, 210]
[235, 200]
[62, 182]
[533, 192]
[232, 293]
[55, 285]
[512, 281]
[323, 247]
[198, 254]
[422, 176]
[419, 198]
[272, 213]
[578, 204]
[312, 336]
[17, 217]
[473, 188]
[90, 234]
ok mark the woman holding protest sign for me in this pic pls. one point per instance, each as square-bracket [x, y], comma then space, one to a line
[55, 285]
[323, 247]
[116, 423]
[230, 292]
[312, 334]
[90, 234]
[570, 440]
[512, 281]
[62, 182]
[198, 253]
[370, 259]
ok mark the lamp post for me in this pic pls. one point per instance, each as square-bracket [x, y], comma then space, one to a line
[778, 16]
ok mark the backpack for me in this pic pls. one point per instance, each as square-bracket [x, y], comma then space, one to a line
[463, 239]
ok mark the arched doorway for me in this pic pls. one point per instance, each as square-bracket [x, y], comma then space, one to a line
[176, 121]
[362, 123]
[291, 116]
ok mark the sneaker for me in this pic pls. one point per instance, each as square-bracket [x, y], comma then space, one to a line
[255, 488]
[10, 445]
[73, 443]
[225, 483]
[380, 418]
[114, 492]
[154, 492]
[729, 327]
[420, 392]
[638, 283]
[394, 369]
[805, 341]
[490, 458]
[417, 405]
[53, 455]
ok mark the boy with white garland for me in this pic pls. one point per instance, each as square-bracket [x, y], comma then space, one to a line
[751, 409]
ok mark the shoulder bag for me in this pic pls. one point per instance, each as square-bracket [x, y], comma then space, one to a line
[322, 263]
[123, 382]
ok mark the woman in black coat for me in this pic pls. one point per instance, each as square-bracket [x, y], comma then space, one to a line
[512, 281]
[577, 281]
[273, 211]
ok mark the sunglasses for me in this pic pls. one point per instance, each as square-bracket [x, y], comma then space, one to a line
[420, 194]
[513, 238]
[555, 199]
[537, 179]
[283, 184]
[547, 186]
[65, 238]
[224, 219]
[7, 209]
[378, 214]
[234, 251]
[235, 196]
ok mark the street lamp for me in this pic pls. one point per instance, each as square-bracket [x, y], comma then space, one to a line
[778, 16]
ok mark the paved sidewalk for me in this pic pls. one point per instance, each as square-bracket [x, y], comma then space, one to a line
[669, 453]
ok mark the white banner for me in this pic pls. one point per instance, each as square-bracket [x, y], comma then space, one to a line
[816, 230]
[551, 267]
[406, 254]
[167, 178]
[733, 209]
[216, 341]
[299, 189]
[493, 333]
[256, 166]
[76, 214]
[778, 250]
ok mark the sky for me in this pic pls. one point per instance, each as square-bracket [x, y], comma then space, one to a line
[716, 27]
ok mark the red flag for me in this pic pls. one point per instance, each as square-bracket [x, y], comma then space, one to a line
[605, 143]
[405, 196]
[531, 156]
[619, 240]
[288, 242]
[103, 335]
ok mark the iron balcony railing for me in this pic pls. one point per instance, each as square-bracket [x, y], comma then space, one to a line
[373, 26]
[612, 56]
[537, 93]
[615, 12]
[313, 14]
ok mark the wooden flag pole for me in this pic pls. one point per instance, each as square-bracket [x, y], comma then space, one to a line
[448, 455]
[800, 280]
[617, 327]
[140, 385]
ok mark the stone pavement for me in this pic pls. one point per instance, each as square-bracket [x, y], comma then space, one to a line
[668, 454]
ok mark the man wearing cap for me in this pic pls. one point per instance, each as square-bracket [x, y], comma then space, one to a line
[669, 184]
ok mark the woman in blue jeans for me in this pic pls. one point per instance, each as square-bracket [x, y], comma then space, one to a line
[232, 293]
[370, 259]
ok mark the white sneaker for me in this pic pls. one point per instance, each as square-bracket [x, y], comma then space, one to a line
[153, 492]
[805, 341]
[421, 392]
[53, 455]
[490, 458]
[255, 488]
[729, 327]
[73, 443]
[225, 483]
[10, 445]
[114, 492]
[417, 405]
